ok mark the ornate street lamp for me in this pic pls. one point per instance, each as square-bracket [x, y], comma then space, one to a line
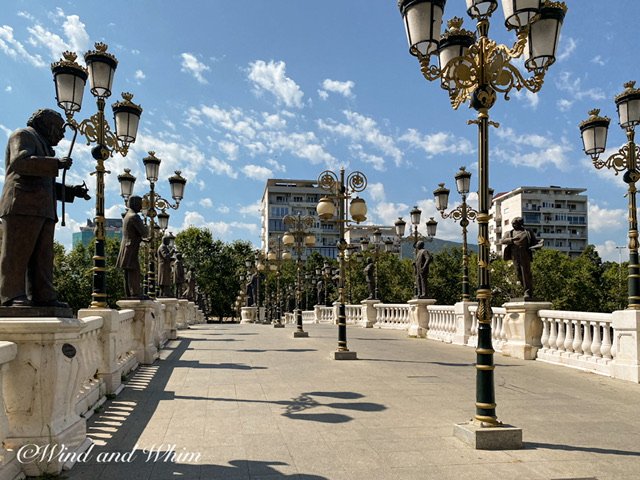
[464, 213]
[70, 79]
[594, 139]
[474, 68]
[400, 226]
[298, 238]
[275, 256]
[341, 190]
[151, 202]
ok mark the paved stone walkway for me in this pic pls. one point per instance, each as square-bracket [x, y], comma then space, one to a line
[255, 403]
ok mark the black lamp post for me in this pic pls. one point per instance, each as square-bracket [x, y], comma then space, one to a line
[151, 202]
[474, 68]
[275, 256]
[341, 190]
[373, 247]
[297, 238]
[70, 79]
[594, 140]
[464, 213]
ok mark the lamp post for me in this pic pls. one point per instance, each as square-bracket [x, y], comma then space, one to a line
[275, 256]
[594, 139]
[260, 268]
[341, 190]
[70, 79]
[474, 68]
[297, 238]
[373, 247]
[462, 212]
[400, 226]
[151, 203]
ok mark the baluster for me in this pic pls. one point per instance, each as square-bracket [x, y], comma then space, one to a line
[577, 338]
[568, 339]
[553, 334]
[614, 343]
[586, 342]
[503, 329]
[605, 349]
[597, 343]
[560, 339]
[544, 339]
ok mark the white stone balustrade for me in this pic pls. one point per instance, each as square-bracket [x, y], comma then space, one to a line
[441, 323]
[578, 339]
[308, 316]
[9, 467]
[392, 315]
[324, 314]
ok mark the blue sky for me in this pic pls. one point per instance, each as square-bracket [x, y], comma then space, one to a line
[235, 92]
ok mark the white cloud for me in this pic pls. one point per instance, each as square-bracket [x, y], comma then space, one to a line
[223, 209]
[598, 60]
[564, 105]
[568, 47]
[8, 89]
[257, 172]
[603, 219]
[16, 50]
[251, 210]
[139, 75]
[611, 251]
[335, 86]
[565, 82]
[437, 143]
[531, 99]
[230, 149]
[376, 192]
[363, 129]
[532, 150]
[271, 77]
[76, 33]
[193, 66]
[115, 211]
[278, 167]
[206, 202]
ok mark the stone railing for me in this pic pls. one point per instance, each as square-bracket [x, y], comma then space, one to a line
[442, 323]
[392, 315]
[608, 344]
[578, 339]
[308, 316]
[63, 369]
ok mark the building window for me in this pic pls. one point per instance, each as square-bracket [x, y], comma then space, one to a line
[297, 199]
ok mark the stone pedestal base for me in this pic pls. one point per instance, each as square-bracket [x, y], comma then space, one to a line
[299, 334]
[505, 437]
[523, 328]
[626, 365]
[419, 316]
[369, 313]
[248, 314]
[147, 316]
[340, 355]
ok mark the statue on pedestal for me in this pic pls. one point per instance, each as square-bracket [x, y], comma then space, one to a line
[178, 274]
[421, 267]
[370, 275]
[520, 244]
[133, 231]
[165, 256]
[28, 211]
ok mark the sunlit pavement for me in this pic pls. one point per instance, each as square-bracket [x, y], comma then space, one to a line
[251, 402]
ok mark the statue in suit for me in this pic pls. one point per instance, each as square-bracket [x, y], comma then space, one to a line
[133, 231]
[421, 266]
[178, 274]
[28, 211]
[165, 255]
[520, 243]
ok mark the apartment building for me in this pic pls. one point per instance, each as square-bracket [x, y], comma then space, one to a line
[557, 215]
[283, 197]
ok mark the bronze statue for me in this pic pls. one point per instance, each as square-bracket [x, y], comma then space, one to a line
[133, 232]
[369, 272]
[520, 243]
[319, 288]
[165, 255]
[421, 266]
[250, 289]
[178, 274]
[190, 280]
[28, 211]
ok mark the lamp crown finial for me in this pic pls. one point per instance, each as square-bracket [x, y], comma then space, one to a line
[455, 23]
[629, 85]
[127, 96]
[152, 153]
[101, 47]
[595, 112]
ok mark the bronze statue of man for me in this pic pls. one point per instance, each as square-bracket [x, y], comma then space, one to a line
[520, 243]
[190, 279]
[133, 232]
[421, 265]
[28, 211]
[369, 273]
[165, 255]
[178, 274]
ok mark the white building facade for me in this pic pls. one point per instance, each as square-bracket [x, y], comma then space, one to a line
[283, 197]
[557, 215]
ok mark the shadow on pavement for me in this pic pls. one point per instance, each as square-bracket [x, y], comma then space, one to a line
[572, 448]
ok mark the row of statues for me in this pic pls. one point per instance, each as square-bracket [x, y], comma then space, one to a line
[29, 213]
[171, 271]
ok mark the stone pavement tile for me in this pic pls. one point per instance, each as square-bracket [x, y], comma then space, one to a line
[171, 471]
[558, 469]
